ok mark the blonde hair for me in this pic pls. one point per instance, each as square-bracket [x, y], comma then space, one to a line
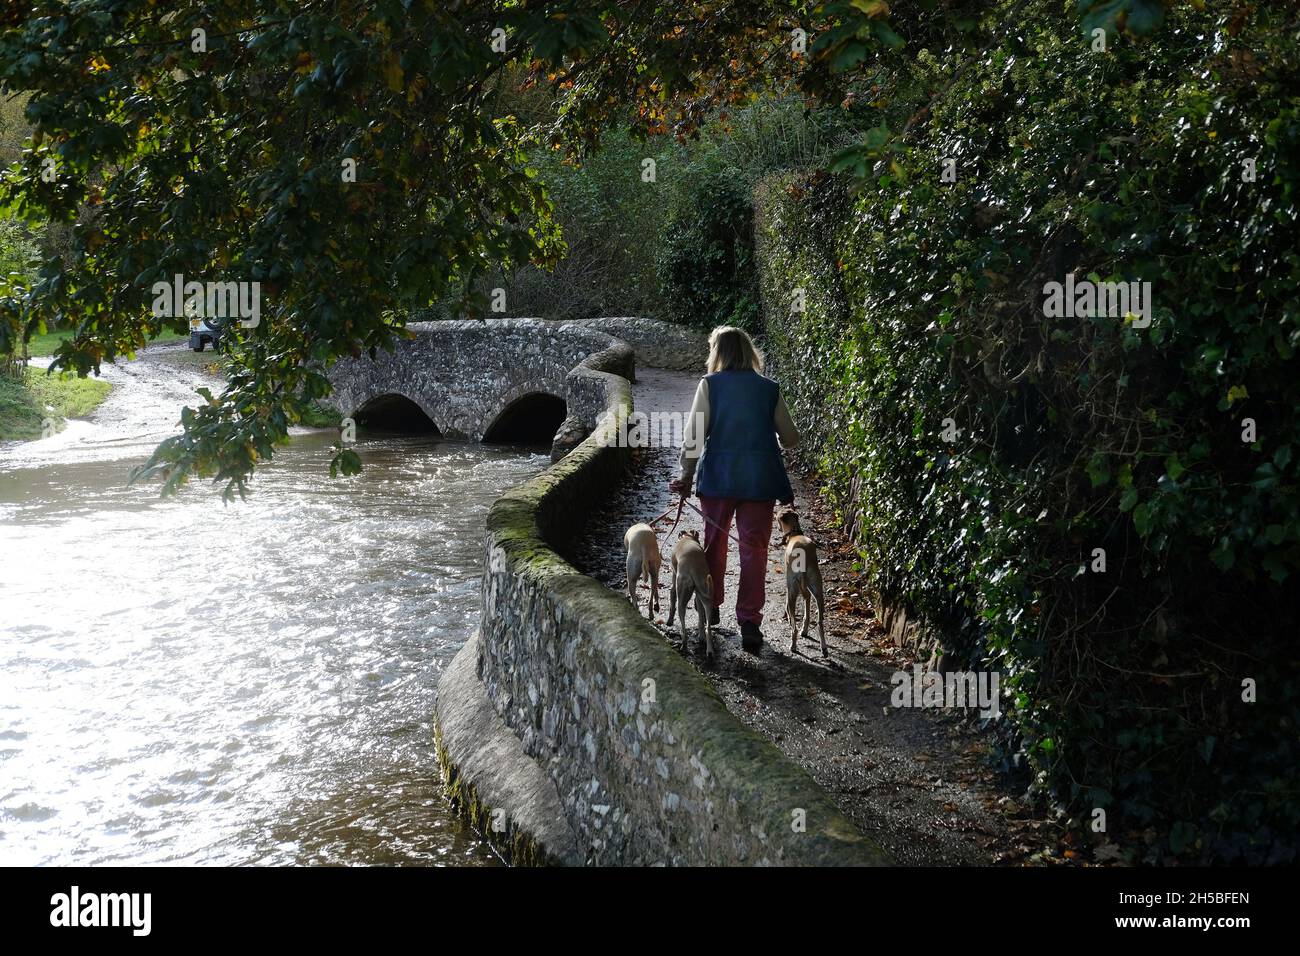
[731, 349]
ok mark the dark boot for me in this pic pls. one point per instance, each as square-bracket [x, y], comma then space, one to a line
[751, 638]
[715, 617]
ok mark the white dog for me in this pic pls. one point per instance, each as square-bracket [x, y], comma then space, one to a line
[643, 564]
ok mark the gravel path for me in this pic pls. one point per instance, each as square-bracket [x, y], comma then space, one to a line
[916, 780]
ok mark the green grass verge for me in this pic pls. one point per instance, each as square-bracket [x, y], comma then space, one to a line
[25, 402]
[43, 346]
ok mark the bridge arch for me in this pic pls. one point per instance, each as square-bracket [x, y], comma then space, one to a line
[526, 416]
[395, 411]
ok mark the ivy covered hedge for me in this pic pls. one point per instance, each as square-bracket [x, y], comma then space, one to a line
[987, 456]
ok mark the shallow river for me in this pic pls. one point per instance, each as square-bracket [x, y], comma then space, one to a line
[187, 682]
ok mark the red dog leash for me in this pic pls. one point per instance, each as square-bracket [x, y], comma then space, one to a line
[681, 501]
[710, 521]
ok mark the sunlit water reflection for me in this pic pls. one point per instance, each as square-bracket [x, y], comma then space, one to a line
[187, 682]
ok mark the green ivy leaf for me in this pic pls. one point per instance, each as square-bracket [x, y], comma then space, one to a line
[346, 462]
[1098, 470]
[1142, 519]
[1222, 555]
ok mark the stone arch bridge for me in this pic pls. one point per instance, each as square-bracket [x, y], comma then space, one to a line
[475, 380]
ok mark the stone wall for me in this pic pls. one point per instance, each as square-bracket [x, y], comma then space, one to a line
[646, 763]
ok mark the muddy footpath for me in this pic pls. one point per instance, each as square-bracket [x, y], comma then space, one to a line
[919, 781]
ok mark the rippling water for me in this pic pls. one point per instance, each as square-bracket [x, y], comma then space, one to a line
[187, 682]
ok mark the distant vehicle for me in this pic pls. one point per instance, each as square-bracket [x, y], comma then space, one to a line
[202, 332]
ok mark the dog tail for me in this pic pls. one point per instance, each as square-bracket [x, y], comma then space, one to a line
[708, 579]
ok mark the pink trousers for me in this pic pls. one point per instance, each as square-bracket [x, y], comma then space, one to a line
[754, 528]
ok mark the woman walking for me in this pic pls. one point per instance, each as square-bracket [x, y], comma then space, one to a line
[731, 434]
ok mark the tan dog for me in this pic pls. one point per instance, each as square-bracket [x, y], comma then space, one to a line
[691, 578]
[643, 565]
[803, 578]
